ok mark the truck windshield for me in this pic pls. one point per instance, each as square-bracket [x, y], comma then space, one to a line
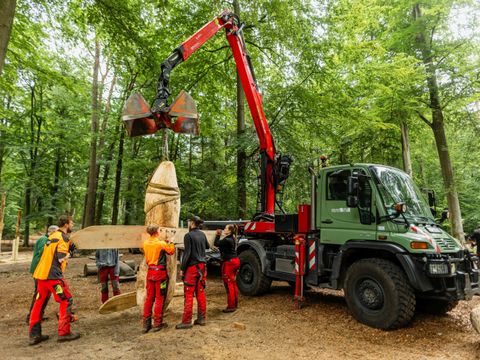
[395, 186]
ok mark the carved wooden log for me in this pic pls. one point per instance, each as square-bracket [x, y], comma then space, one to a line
[162, 207]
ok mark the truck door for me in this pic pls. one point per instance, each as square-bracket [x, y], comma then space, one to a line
[339, 223]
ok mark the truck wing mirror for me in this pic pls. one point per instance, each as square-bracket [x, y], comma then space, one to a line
[400, 208]
[352, 201]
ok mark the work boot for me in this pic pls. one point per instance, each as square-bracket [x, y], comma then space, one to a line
[34, 340]
[200, 321]
[229, 310]
[147, 325]
[182, 326]
[159, 327]
[68, 337]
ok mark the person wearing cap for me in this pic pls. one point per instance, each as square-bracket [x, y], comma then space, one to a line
[49, 274]
[108, 264]
[156, 252]
[194, 273]
[37, 254]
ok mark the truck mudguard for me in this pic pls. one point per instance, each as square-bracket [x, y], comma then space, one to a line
[415, 274]
[257, 246]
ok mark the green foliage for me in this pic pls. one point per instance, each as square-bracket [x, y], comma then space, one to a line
[337, 78]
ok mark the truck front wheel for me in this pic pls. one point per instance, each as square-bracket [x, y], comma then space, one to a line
[378, 294]
[250, 279]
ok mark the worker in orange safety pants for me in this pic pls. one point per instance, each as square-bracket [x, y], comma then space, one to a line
[156, 252]
[50, 279]
[194, 274]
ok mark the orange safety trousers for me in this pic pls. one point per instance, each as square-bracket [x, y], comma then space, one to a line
[61, 294]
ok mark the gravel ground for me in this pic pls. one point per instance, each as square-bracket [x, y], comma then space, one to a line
[270, 327]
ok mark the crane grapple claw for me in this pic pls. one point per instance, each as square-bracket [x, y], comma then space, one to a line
[184, 106]
[137, 117]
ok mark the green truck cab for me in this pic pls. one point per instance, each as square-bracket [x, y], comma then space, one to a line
[372, 235]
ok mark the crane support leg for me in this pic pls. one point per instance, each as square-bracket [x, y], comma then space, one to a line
[299, 270]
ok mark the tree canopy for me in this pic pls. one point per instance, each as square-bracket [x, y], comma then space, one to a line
[339, 78]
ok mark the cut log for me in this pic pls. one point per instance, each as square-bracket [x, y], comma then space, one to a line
[119, 303]
[125, 236]
[90, 269]
[131, 264]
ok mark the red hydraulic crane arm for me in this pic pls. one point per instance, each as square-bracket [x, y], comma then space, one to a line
[230, 22]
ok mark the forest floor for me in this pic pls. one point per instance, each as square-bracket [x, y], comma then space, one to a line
[323, 329]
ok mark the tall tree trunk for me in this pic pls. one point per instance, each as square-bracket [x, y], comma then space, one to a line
[100, 148]
[190, 156]
[407, 163]
[7, 13]
[118, 180]
[437, 125]
[118, 171]
[3, 143]
[129, 202]
[35, 132]
[241, 154]
[92, 173]
[56, 181]
[103, 185]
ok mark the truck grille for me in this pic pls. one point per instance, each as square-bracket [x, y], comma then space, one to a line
[446, 244]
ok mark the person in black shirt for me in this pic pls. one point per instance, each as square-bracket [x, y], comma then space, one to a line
[194, 273]
[230, 264]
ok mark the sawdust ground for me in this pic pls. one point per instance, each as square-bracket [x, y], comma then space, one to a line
[323, 329]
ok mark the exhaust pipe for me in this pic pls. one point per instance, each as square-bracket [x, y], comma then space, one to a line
[313, 197]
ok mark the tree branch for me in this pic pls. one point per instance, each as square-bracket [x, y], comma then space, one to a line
[205, 72]
[287, 98]
[424, 119]
[218, 49]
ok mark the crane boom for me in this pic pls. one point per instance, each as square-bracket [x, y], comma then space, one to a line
[273, 172]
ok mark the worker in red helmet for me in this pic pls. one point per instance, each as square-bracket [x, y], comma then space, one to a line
[50, 279]
[194, 273]
[230, 264]
[156, 252]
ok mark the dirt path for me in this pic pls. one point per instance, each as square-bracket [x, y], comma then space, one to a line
[322, 330]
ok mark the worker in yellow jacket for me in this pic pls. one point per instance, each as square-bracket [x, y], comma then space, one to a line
[50, 279]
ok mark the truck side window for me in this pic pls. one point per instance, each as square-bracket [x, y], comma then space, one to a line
[337, 184]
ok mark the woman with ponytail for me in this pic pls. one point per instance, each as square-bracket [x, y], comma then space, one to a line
[230, 264]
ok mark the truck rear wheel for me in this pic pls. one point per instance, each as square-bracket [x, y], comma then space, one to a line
[378, 294]
[250, 279]
[435, 306]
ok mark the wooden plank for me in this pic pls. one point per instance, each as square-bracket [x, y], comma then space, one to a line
[125, 236]
[119, 303]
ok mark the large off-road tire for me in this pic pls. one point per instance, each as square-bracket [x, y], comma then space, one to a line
[250, 279]
[435, 306]
[378, 294]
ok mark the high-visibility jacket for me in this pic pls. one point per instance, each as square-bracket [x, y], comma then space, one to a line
[56, 248]
[156, 251]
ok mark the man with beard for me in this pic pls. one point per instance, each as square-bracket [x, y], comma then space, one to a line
[194, 273]
[50, 279]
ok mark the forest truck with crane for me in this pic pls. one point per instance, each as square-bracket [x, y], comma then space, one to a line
[367, 230]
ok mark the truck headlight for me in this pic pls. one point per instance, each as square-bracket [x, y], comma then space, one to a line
[438, 268]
